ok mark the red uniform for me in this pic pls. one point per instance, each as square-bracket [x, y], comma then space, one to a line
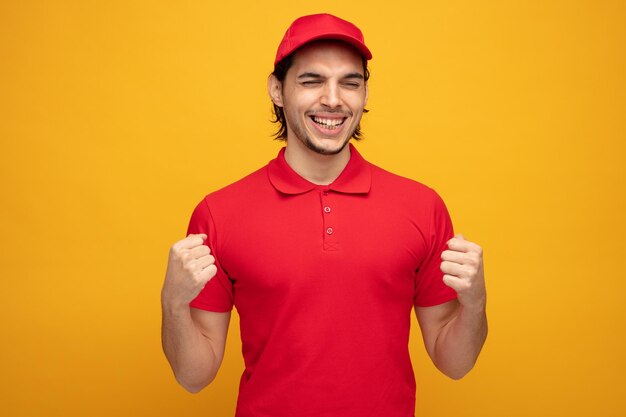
[324, 279]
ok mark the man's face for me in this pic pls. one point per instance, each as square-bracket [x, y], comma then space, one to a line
[323, 96]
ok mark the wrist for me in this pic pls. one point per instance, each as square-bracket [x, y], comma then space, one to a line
[174, 307]
[477, 307]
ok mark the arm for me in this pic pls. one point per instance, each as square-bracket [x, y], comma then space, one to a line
[455, 332]
[193, 340]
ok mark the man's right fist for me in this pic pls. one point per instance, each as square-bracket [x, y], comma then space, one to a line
[189, 267]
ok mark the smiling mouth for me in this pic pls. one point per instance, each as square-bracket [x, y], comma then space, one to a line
[328, 123]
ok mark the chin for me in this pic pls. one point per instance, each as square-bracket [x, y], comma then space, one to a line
[317, 144]
[334, 150]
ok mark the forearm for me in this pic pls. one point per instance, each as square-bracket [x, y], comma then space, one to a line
[460, 342]
[192, 359]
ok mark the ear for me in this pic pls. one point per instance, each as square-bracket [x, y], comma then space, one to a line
[275, 90]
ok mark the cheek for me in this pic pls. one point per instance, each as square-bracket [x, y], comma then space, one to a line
[357, 106]
[358, 100]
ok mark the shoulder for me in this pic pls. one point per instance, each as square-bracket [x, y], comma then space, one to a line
[250, 187]
[237, 194]
[389, 184]
[232, 203]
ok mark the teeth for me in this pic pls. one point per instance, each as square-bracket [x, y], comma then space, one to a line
[328, 123]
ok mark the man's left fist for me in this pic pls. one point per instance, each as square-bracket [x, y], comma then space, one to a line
[462, 265]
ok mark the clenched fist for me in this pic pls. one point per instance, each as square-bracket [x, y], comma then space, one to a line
[189, 267]
[462, 265]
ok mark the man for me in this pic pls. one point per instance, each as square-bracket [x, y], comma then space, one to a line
[324, 255]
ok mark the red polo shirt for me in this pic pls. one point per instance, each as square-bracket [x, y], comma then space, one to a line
[324, 279]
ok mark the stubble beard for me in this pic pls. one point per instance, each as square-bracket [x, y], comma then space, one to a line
[301, 133]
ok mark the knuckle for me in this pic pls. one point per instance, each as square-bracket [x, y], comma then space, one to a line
[199, 280]
[175, 248]
[212, 270]
[190, 266]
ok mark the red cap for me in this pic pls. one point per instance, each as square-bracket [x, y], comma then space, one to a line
[314, 27]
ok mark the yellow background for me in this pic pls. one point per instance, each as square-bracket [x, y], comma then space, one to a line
[117, 117]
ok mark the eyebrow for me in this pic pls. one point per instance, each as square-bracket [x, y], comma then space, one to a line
[309, 75]
[316, 75]
[354, 75]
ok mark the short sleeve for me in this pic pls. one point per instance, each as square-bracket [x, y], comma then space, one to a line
[430, 289]
[217, 294]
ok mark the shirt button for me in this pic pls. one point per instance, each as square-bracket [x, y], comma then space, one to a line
[326, 209]
[329, 230]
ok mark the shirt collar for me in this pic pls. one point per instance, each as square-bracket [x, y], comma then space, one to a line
[356, 177]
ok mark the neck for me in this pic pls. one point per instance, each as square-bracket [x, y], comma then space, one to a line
[314, 167]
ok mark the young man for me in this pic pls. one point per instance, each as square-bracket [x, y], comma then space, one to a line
[324, 256]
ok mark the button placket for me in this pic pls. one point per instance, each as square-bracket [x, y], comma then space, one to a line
[329, 225]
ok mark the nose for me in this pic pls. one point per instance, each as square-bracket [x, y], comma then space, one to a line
[330, 95]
